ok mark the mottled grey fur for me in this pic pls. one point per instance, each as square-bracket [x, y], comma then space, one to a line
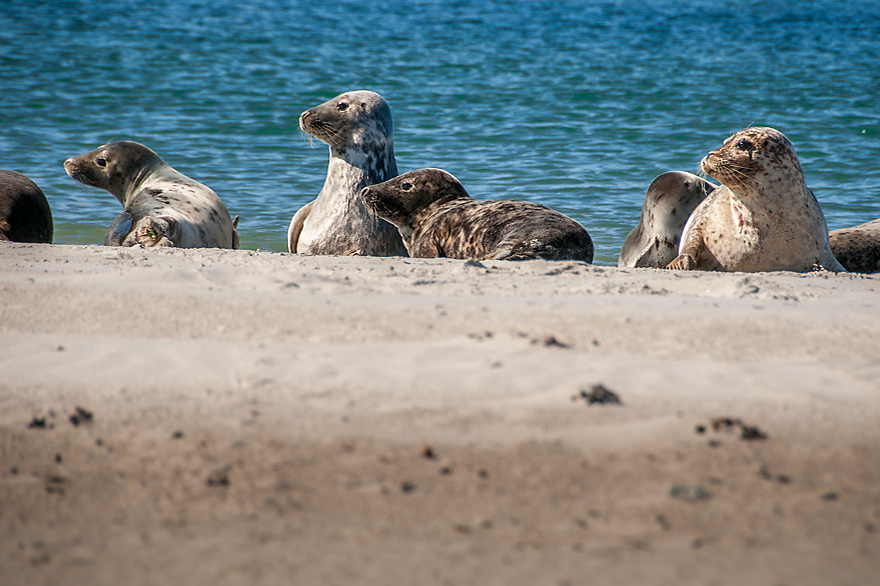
[762, 218]
[161, 207]
[24, 212]
[858, 248]
[669, 201]
[437, 218]
[358, 128]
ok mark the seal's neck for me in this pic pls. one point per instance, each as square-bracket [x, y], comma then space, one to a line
[352, 168]
[762, 188]
[147, 168]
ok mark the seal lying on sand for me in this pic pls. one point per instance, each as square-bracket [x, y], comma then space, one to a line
[357, 126]
[161, 207]
[762, 218]
[24, 212]
[858, 248]
[436, 217]
[669, 201]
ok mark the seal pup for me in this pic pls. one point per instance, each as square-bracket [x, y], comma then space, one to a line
[161, 207]
[669, 201]
[24, 211]
[358, 129]
[437, 218]
[762, 218]
[858, 248]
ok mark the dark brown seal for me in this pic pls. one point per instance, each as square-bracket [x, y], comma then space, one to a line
[161, 206]
[437, 218]
[669, 201]
[24, 211]
[858, 248]
[358, 128]
[762, 218]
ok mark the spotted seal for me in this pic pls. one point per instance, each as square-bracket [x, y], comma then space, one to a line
[358, 128]
[25, 215]
[437, 218]
[858, 248]
[762, 218]
[161, 207]
[669, 201]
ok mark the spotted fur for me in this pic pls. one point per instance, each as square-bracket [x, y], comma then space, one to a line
[358, 128]
[858, 248]
[669, 201]
[437, 218]
[161, 207]
[762, 218]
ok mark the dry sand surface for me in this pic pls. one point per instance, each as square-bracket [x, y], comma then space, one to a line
[240, 417]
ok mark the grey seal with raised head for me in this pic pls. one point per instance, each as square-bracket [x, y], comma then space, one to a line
[161, 206]
[358, 128]
[437, 218]
[762, 218]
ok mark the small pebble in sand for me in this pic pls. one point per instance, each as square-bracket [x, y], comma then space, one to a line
[219, 477]
[689, 493]
[80, 415]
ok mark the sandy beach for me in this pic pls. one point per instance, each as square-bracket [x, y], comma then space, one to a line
[241, 417]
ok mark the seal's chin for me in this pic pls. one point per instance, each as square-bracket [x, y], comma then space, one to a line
[77, 175]
[375, 204]
[323, 131]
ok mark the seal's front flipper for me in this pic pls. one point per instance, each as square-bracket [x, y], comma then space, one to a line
[683, 262]
[296, 226]
[118, 230]
[149, 232]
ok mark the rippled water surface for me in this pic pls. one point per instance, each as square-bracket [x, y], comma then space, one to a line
[574, 104]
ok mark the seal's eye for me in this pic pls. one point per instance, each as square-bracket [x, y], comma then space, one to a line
[342, 106]
[101, 162]
[406, 186]
[745, 145]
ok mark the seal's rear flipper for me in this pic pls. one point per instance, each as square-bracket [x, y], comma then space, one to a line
[118, 230]
[235, 238]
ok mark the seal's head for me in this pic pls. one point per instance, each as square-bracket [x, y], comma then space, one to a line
[400, 199]
[359, 118]
[752, 159]
[113, 167]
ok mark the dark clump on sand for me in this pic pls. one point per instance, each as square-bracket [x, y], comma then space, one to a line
[599, 394]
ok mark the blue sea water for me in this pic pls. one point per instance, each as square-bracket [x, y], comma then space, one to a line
[574, 104]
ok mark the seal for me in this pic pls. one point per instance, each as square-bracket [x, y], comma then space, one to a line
[669, 201]
[858, 248]
[357, 127]
[25, 215]
[437, 218]
[161, 206]
[762, 218]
